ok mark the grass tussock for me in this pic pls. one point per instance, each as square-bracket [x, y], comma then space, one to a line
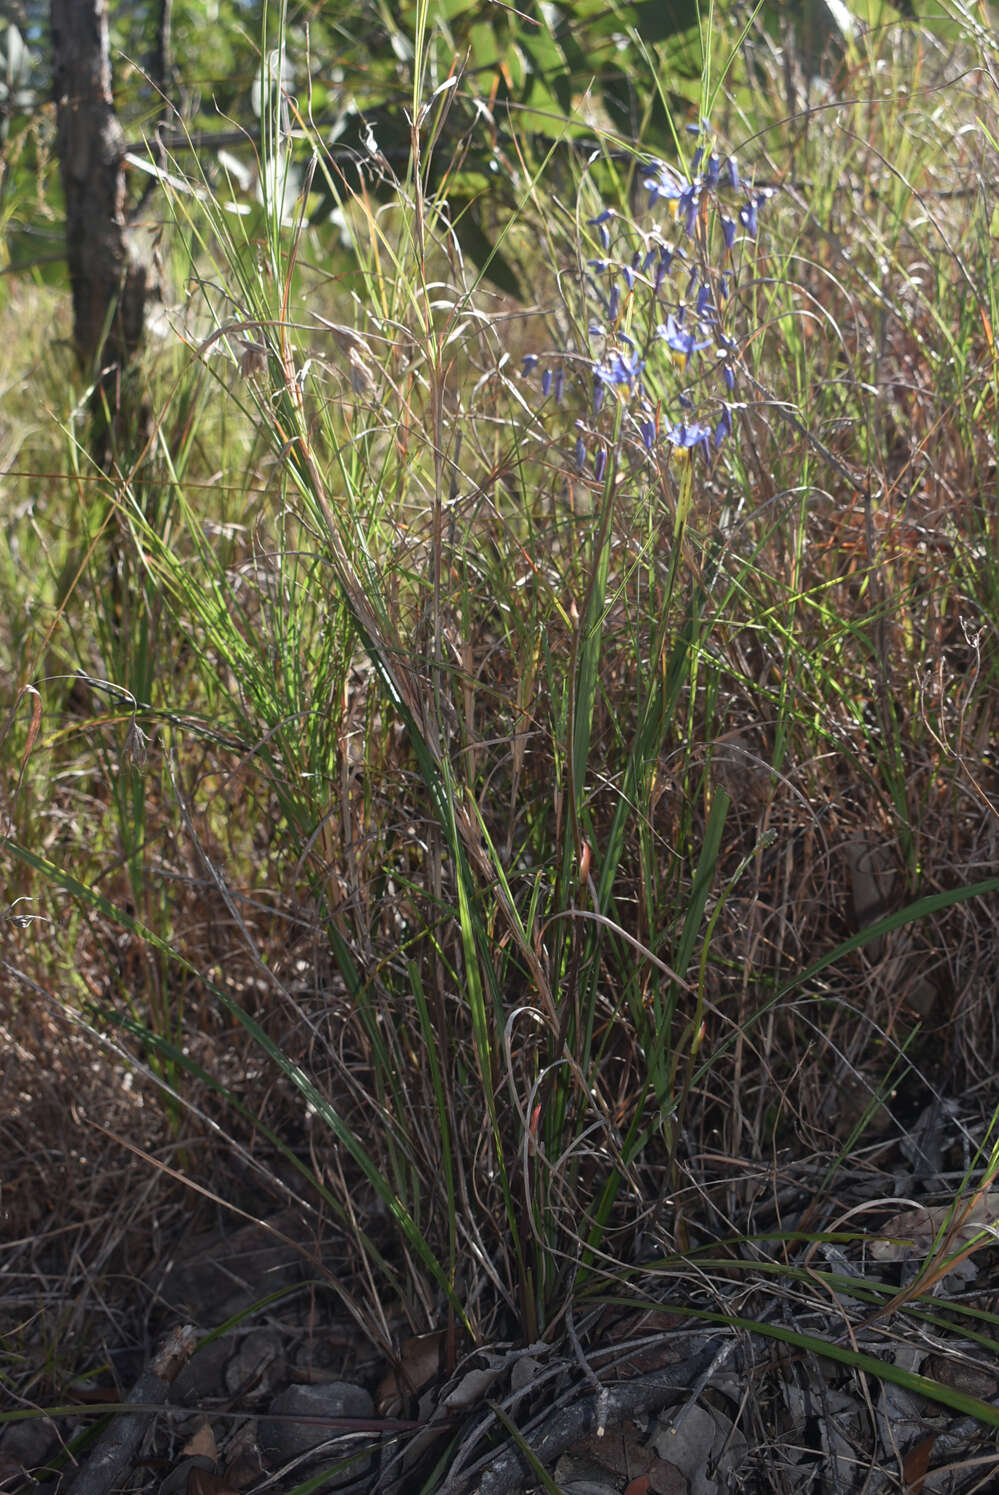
[558, 856]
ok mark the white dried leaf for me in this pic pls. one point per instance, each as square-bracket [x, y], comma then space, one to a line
[524, 1372]
[472, 1387]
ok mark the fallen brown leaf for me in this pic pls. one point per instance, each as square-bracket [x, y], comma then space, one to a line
[419, 1362]
[243, 1470]
[916, 1463]
[916, 1230]
[201, 1444]
[208, 1482]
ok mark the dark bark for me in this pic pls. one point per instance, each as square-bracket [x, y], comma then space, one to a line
[110, 279]
[114, 1452]
[161, 57]
[109, 283]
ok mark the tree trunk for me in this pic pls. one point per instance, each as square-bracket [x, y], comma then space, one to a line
[108, 281]
[111, 283]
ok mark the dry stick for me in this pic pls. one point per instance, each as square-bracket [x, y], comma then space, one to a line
[590, 1374]
[116, 1447]
[722, 1353]
[508, 1472]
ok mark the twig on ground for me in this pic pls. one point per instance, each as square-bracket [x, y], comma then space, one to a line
[589, 1372]
[722, 1353]
[116, 1447]
[507, 1472]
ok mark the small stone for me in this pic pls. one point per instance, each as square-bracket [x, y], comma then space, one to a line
[282, 1439]
[25, 1446]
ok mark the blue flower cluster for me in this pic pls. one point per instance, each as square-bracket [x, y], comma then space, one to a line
[654, 312]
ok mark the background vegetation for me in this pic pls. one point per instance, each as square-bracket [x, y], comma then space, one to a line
[568, 874]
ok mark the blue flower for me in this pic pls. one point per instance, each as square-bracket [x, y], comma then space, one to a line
[627, 290]
[619, 368]
[600, 222]
[681, 341]
[724, 426]
[662, 269]
[749, 218]
[664, 186]
[689, 436]
[690, 205]
[750, 213]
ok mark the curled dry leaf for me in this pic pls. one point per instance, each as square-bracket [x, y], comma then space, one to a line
[524, 1372]
[419, 1362]
[178, 1481]
[196, 1472]
[703, 1445]
[208, 1482]
[917, 1462]
[201, 1444]
[956, 1372]
[914, 1231]
[472, 1387]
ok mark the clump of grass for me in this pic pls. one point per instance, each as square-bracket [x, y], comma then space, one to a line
[519, 975]
[505, 763]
